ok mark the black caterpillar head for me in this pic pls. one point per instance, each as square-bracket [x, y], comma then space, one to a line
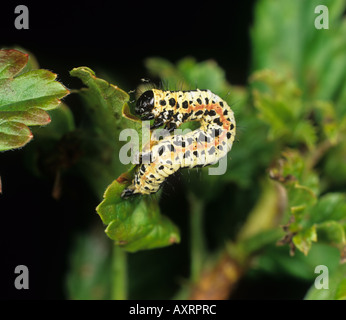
[145, 105]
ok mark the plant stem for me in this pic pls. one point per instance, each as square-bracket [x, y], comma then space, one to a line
[197, 238]
[119, 274]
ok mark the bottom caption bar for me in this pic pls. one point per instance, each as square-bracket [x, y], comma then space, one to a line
[162, 309]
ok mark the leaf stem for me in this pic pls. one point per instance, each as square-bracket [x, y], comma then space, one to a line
[119, 274]
[197, 239]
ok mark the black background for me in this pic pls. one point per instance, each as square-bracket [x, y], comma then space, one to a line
[118, 35]
[115, 36]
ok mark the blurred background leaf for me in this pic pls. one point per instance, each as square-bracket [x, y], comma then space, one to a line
[285, 39]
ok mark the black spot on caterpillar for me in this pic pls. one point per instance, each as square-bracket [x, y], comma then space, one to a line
[197, 148]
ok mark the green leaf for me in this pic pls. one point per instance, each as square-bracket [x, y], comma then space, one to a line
[317, 61]
[304, 239]
[312, 218]
[329, 214]
[112, 97]
[280, 105]
[302, 187]
[113, 205]
[103, 121]
[302, 184]
[12, 62]
[135, 224]
[13, 135]
[24, 98]
[332, 233]
[331, 206]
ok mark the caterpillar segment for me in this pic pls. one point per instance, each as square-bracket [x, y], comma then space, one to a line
[199, 148]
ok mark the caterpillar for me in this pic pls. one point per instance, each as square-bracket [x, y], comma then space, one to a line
[199, 148]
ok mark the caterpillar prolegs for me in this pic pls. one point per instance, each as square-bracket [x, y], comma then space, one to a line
[201, 147]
